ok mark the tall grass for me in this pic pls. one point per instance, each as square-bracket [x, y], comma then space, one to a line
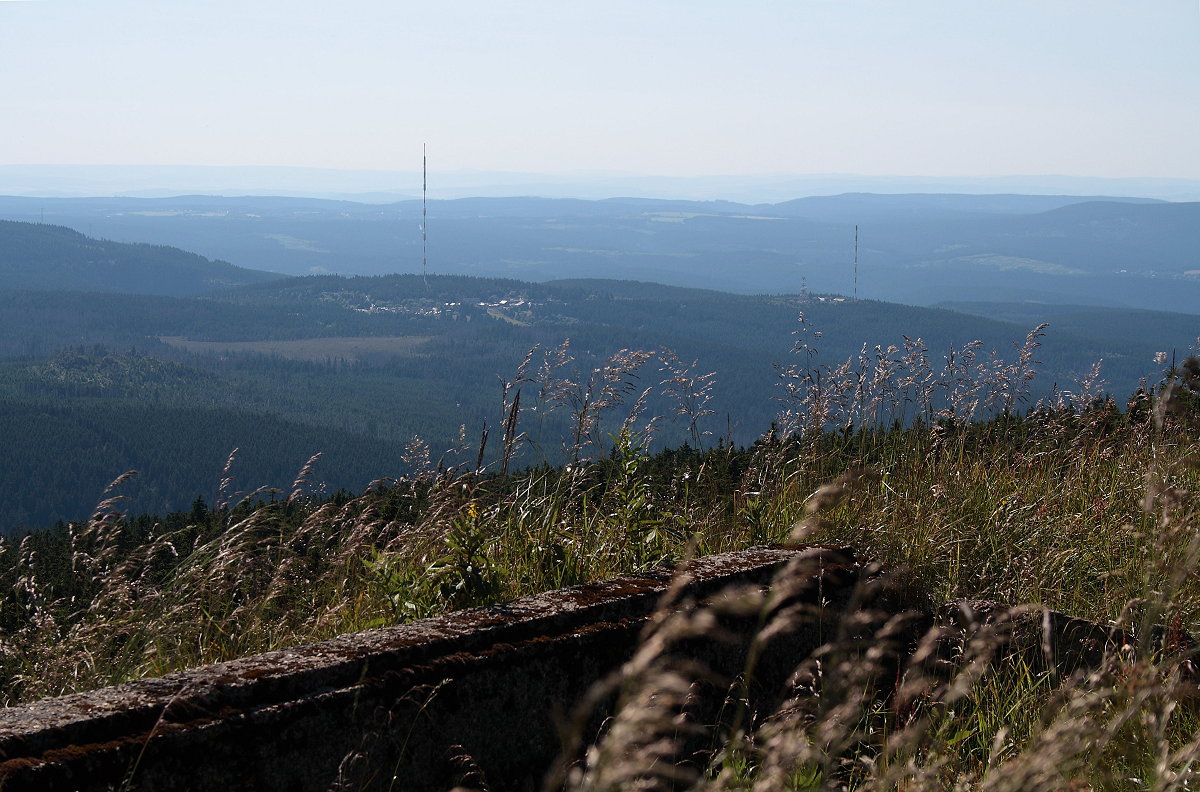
[940, 470]
[1084, 511]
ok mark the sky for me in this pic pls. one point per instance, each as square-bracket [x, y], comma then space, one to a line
[1100, 88]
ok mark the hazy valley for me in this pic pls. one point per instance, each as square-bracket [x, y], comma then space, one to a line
[915, 249]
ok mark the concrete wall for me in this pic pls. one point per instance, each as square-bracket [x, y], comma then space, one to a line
[410, 707]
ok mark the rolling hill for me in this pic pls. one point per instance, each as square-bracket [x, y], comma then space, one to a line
[915, 249]
[93, 384]
[37, 256]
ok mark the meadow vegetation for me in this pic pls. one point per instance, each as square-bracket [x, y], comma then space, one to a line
[940, 470]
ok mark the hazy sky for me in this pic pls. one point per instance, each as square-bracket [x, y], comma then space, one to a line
[690, 87]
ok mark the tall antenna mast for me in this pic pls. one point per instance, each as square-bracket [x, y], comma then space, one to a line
[856, 263]
[424, 216]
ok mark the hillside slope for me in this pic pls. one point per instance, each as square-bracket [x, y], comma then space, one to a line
[94, 384]
[36, 256]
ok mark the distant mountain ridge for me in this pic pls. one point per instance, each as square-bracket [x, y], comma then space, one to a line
[44, 257]
[862, 207]
[1110, 326]
[383, 186]
[918, 249]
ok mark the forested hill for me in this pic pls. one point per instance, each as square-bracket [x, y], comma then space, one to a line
[36, 256]
[95, 384]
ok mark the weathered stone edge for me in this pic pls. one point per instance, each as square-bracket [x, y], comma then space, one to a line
[272, 678]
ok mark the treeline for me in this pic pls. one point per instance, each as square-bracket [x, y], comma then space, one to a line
[720, 481]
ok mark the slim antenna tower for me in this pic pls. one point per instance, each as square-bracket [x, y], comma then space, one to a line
[424, 216]
[856, 263]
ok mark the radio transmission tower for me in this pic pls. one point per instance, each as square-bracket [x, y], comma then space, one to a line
[856, 263]
[424, 217]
